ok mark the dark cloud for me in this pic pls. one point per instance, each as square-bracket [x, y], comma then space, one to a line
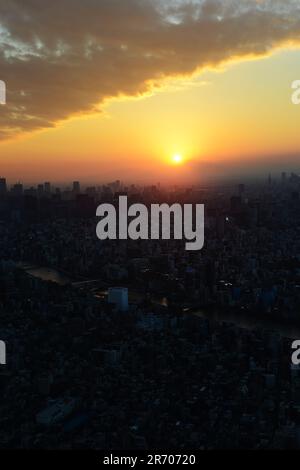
[63, 58]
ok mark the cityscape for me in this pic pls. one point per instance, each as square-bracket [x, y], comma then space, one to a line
[141, 344]
[149, 230]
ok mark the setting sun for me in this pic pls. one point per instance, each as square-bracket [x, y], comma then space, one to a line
[177, 159]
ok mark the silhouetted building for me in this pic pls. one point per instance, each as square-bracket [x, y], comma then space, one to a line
[119, 297]
[76, 187]
[3, 187]
[47, 187]
[17, 189]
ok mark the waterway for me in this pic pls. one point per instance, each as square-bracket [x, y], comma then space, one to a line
[285, 329]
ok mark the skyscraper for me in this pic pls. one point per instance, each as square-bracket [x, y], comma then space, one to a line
[119, 297]
[47, 187]
[3, 187]
[76, 187]
[17, 189]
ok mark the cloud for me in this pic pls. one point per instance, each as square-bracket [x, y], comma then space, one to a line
[60, 59]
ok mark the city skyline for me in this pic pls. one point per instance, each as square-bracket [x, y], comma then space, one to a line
[117, 185]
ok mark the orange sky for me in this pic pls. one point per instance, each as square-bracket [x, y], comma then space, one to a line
[228, 117]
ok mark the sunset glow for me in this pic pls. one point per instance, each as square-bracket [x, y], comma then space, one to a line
[177, 159]
[126, 112]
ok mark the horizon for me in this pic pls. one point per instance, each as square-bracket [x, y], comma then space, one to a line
[211, 182]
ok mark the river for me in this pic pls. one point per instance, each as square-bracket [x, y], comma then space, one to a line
[242, 320]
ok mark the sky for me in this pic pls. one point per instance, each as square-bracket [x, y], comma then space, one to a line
[115, 89]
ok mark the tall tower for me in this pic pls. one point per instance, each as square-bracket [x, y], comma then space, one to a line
[270, 179]
[47, 187]
[3, 187]
[76, 187]
[119, 297]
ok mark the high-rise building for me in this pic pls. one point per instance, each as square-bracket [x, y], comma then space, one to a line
[3, 187]
[40, 190]
[270, 179]
[76, 187]
[119, 297]
[47, 186]
[17, 189]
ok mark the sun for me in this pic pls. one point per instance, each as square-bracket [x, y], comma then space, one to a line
[177, 159]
